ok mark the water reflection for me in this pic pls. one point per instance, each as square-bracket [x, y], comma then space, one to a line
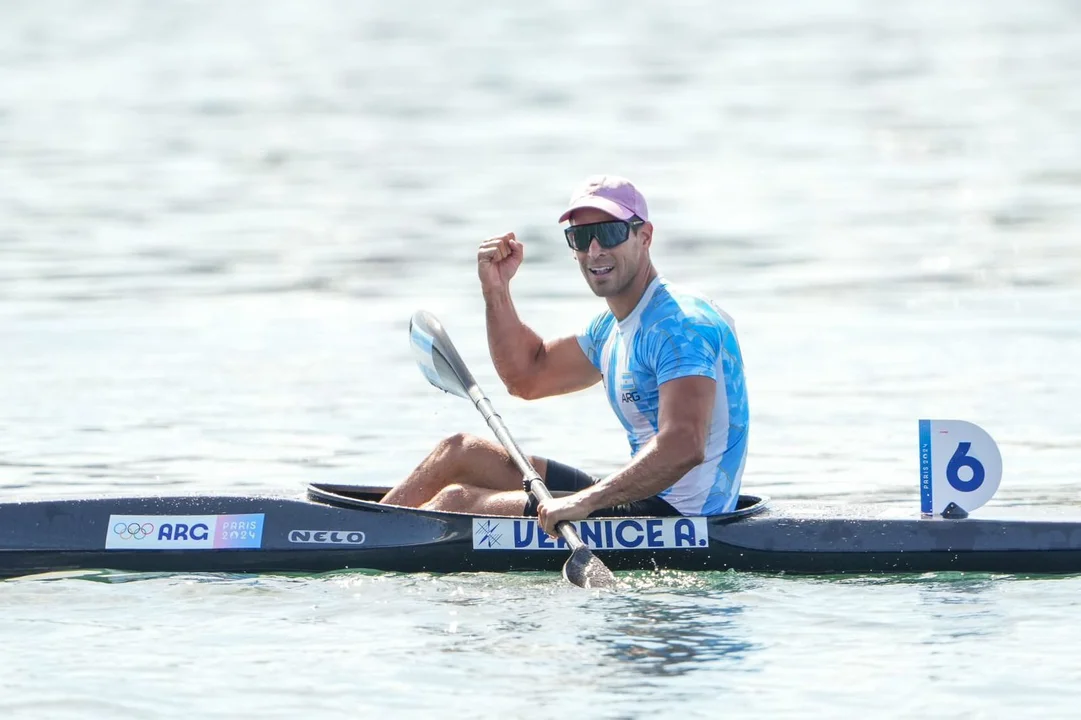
[951, 605]
[672, 631]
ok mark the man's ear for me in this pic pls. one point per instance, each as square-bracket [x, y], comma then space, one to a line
[646, 234]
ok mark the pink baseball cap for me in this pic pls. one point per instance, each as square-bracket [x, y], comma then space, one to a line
[611, 194]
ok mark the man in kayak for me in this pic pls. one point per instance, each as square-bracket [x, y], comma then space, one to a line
[671, 367]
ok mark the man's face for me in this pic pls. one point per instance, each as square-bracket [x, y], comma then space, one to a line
[610, 271]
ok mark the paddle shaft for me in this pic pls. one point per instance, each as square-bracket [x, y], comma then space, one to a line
[534, 484]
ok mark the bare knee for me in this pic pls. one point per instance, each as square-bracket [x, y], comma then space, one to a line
[454, 444]
[454, 453]
[453, 498]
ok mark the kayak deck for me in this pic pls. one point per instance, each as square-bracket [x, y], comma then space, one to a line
[338, 527]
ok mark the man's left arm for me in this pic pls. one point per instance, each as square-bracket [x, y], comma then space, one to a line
[685, 412]
[683, 422]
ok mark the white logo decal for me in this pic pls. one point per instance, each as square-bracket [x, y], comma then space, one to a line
[684, 533]
[327, 537]
[184, 532]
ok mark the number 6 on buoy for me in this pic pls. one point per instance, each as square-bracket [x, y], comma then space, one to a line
[959, 464]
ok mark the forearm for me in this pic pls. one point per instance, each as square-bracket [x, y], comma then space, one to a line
[515, 348]
[655, 468]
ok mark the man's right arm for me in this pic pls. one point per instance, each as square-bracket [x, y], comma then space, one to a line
[530, 367]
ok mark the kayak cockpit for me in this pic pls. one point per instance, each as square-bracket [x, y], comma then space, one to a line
[358, 496]
[345, 495]
[746, 506]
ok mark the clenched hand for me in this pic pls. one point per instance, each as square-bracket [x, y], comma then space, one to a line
[497, 261]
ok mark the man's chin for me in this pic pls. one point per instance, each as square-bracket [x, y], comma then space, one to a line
[604, 289]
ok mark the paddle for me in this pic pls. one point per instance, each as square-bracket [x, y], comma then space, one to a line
[444, 368]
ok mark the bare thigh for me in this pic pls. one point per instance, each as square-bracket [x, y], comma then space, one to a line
[478, 500]
[460, 459]
[486, 464]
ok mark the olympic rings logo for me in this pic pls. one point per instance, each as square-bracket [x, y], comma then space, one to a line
[133, 531]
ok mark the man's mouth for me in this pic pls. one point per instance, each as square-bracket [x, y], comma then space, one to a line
[601, 270]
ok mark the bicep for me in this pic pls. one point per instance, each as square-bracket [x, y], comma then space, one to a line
[562, 368]
[685, 354]
[685, 409]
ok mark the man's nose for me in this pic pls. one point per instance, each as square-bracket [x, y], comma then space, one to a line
[594, 248]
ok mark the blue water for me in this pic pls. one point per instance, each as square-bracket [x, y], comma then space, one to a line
[216, 220]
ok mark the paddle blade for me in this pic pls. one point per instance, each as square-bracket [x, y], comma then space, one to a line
[436, 356]
[586, 571]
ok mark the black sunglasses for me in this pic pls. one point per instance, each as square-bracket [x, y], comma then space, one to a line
[608, 234]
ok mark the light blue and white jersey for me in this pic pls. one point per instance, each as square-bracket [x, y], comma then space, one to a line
[674, 333]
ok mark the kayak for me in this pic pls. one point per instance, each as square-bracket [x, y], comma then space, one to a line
[340, 527]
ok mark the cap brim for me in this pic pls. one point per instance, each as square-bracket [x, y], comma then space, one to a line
[598, 203]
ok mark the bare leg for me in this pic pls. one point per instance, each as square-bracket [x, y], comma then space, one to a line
[460, 460]
[481, 501]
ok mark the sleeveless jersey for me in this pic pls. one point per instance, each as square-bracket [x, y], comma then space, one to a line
[673, 333]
